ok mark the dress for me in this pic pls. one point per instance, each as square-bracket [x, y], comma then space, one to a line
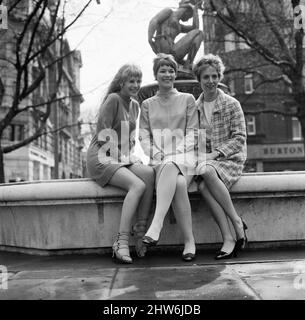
[226, 133]
[117, 122]
[169, 125]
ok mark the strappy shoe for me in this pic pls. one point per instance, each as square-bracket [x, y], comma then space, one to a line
[138, 231]
[120, 248]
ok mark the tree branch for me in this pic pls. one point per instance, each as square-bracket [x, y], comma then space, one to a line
[249, 39]
[48, 44]
[276, 32]
[42, 104]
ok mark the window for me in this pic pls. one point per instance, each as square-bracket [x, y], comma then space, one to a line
[242, 45]
[45, 172]
[14, 132]
[248, 83]
[296, 129]
[251, 126]
[3, 17]
[230, 44]
[36, 170]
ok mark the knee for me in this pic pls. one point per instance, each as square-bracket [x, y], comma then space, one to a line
[181, 183]
[209, 173]
[138, 186]
[169, 165]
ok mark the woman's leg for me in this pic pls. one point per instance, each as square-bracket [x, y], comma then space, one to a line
[135, 187]
[147, 175]
[221, 194]
[166, 188]
[220, 218]
[183, 213]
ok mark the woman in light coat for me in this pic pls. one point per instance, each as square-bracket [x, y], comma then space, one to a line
[222, 152]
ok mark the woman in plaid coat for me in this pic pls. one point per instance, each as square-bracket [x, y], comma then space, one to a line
[222, 151]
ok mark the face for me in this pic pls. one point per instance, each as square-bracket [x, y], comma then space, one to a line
[131, 86]
[209, 80]
[166, 76]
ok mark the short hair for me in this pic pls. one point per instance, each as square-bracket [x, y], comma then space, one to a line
[163, 59]
[206, 61]
[124, 73]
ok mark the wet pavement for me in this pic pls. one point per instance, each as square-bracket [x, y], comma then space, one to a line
[261, 274]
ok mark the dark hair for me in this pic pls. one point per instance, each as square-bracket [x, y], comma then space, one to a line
[163, 59]
[125, 72]
[206, 61]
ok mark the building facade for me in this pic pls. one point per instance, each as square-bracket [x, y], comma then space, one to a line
[275, 141]
[57, 153]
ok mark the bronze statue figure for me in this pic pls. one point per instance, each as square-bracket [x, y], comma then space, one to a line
[165, 27]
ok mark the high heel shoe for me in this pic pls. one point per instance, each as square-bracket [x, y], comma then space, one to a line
[242, 242]
[138, 231]
[149, 241]
[227, 255]
[188, 256]
[120, 248]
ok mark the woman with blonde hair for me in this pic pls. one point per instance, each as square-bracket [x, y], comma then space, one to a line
[110, 160]
[222, 152]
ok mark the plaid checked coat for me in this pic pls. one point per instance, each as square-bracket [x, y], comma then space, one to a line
[226, 134]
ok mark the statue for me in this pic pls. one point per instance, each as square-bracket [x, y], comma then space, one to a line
[165, 27]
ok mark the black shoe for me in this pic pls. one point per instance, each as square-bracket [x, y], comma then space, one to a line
[149, 241]
[188, 256]
[226, 255]
[242, 242]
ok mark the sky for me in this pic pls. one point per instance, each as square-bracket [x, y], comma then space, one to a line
[109, 35]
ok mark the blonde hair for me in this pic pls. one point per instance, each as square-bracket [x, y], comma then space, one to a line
[206, 61]
[124, 73]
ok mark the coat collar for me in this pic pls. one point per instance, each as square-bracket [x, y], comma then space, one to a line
[218, 102]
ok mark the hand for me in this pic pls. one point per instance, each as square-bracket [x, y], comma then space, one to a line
[159, 156]
[200, 169]
[134, 159]
[212, 155]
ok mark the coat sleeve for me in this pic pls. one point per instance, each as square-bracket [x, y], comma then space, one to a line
[238, 134]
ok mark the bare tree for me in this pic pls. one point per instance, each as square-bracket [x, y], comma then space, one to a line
[271, 34]
[36, 35]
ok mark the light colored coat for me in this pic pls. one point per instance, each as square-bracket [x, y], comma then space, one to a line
[226, 134]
